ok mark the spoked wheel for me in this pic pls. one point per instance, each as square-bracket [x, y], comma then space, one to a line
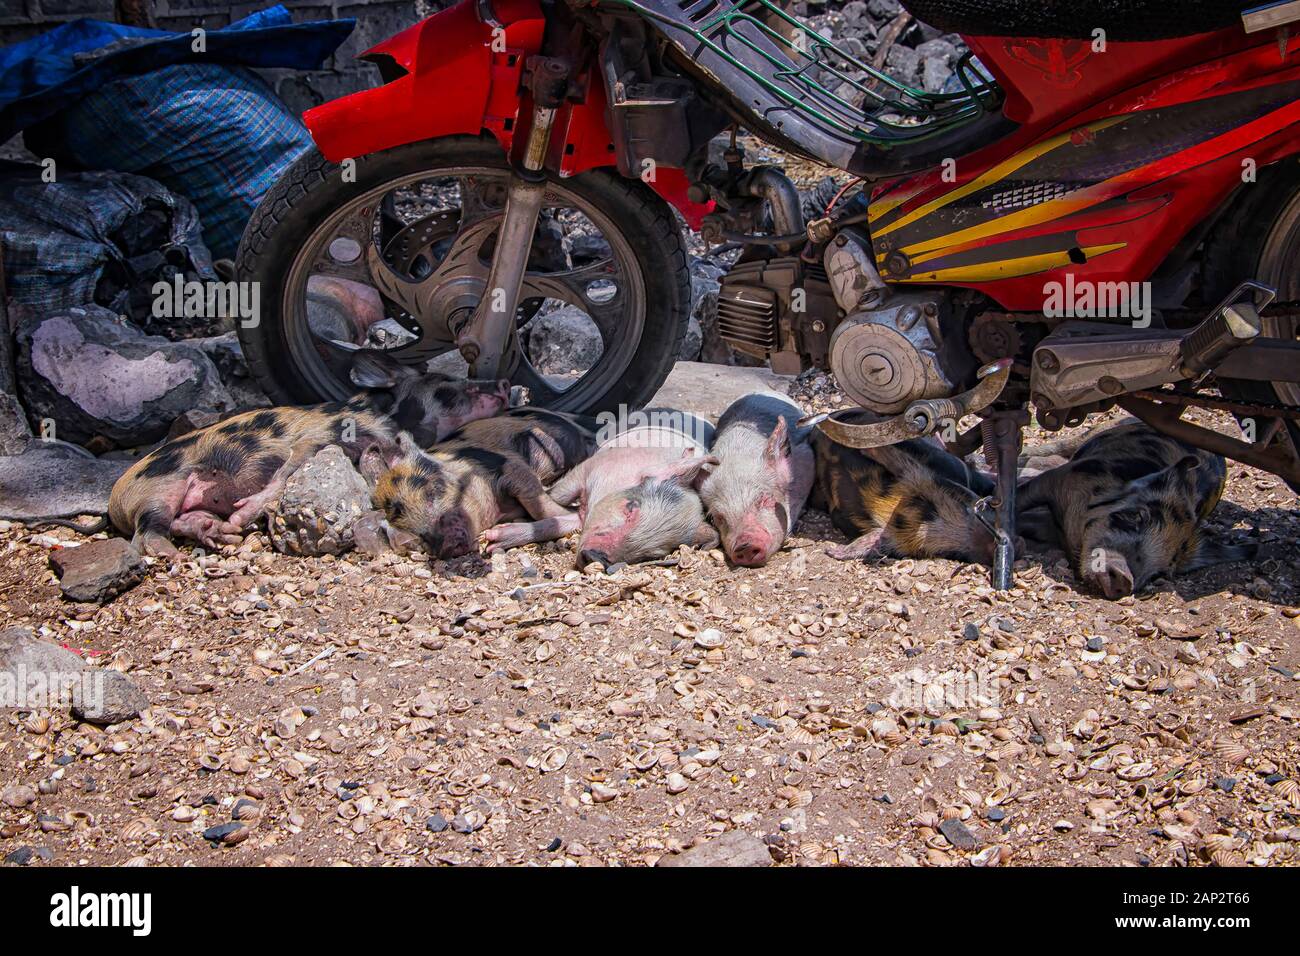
[1260, 238]
[398, 260]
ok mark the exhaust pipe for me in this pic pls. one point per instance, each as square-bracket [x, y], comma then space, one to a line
[1084, 363]
[769, 183]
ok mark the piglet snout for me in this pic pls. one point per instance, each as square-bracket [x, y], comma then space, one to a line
[751, 550]
[454, 544]
[1113, 579]
[589, 555]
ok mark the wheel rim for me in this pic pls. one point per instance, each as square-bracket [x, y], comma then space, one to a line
[400, 268]
[1279, 266]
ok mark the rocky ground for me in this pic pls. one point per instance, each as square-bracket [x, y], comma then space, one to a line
[343, 710]
[283, 710]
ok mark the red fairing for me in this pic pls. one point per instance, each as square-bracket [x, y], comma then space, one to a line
[1120, 154]
[456, 83]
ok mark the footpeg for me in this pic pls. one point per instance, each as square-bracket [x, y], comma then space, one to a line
[1233, 324]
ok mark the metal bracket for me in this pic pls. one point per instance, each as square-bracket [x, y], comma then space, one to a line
[1167, 419]
[919, 419]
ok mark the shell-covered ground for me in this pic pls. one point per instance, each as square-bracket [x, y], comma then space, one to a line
[516, 710]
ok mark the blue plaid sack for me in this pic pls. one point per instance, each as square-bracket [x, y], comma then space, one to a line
[40, 76]
[216, 134]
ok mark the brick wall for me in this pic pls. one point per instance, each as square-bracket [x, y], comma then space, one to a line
[376, 19]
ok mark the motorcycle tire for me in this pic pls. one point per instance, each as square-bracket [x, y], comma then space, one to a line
[1259, 238]
[312, 189]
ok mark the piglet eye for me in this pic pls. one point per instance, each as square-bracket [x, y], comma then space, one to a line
[630, 508]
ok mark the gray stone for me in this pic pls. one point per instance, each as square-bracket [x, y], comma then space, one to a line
[114, 698]
[705, 284]
[704, 298]
[935, 73]
[25, 854]
[936, 48]
[320, 504]
[854, 47]
[564, 341]
[937, 60]
[734, 848]
[707, 390]
[92, 374]
[691, 341]
[228, 357]
[15, 433]
[21, 650]
[958, 835]
[853, 11]
[53, 479]
[98, 695]
[903, 64]
[98, 570]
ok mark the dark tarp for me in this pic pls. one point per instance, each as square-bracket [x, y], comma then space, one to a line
[45, 74]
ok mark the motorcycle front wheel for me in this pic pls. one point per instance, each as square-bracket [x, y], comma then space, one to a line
[391, 252]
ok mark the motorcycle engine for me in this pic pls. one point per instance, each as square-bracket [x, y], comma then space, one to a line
[779, 310]
[888, 357]
[885, 356]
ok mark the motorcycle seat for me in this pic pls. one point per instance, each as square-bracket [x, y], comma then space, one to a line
[1123, 20]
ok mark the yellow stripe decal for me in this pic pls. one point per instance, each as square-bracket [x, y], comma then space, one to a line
[877, 209]
[1008, 268]
[1030, 216]
[998, 172]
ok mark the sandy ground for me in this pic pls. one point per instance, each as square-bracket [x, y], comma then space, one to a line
[518, 711]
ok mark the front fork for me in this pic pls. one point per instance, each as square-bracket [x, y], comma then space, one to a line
[488, 341]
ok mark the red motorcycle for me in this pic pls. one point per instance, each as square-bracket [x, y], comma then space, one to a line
[1102, 214]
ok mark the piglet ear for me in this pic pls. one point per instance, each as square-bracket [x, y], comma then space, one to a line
[778, 443]
[687, 470]
[407, 446]
[1188, 464]
[373, 464]
[705, 537]
[372, 369]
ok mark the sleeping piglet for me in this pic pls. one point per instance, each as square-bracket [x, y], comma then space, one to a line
[636, 496]
[764, 473]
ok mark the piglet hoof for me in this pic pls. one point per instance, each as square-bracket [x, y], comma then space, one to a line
[216, 536]
[503, 537]
[247, 510]
[156, 546]
[852, 552]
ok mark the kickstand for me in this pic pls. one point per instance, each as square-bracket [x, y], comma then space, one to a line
[1001, 430]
